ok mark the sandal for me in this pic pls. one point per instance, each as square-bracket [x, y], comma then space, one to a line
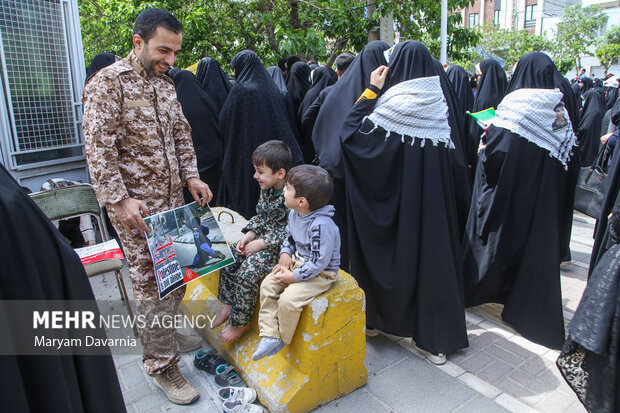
[245, 394]
[208, 360]
[226, 376]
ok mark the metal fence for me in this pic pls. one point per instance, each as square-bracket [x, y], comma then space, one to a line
[40, 92]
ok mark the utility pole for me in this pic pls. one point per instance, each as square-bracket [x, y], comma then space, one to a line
[384, 30]
[443, 57]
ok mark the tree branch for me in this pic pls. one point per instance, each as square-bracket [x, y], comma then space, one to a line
[338, 48]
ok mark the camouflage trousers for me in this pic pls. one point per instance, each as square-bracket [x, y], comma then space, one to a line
[160, 348]
[239, 283]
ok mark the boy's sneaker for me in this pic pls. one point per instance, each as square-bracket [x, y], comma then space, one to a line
[266, 346]
[188, 343]
[239, 406]
[437, 359]
[176, 387]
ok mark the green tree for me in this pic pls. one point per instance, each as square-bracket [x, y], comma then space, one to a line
[608, 48]
[577, 32]
[319, 29]
[508, 45]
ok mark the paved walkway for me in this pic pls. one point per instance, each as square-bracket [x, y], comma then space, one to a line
[500, 371]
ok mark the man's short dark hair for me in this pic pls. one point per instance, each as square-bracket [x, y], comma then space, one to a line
[275, 154]
[343, 61]
[282, 64]
[150, 19]
[313, 183]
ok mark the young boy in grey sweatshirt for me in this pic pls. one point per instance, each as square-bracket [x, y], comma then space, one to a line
[309, 258]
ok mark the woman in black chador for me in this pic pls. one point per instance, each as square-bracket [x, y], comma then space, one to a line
[298, 83]
[39, 265]
[253, 114]
[515, 237]
[276, 74]
[588, 132]
[201, 112]
[326, 132]
[403, 225]
[322, 77]
[210, 74]
[465, 99]
[590, 358]
[491, 91]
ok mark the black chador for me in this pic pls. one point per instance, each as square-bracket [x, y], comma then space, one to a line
[322, 77]
[491, 90]
[537, 70]
[403, 226]
[276, 74]
[330, 119]
[465, 99]
[201, 112]
[210, 74]
[253, 114]
[514, 240]
[38, 264]
[588, 132]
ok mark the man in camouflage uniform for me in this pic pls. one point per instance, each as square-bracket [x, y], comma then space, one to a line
[140, 155]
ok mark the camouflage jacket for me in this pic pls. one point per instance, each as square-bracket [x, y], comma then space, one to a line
[270, 220]
[138, 143]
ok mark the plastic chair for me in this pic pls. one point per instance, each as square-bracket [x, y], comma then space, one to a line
[74, 201]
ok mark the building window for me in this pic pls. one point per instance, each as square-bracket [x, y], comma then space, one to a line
[496, 18]
[473, 20]
[530, 15]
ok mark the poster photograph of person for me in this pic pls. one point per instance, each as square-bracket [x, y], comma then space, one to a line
[185, 244]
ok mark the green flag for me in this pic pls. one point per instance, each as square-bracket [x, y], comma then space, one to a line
[484, 117]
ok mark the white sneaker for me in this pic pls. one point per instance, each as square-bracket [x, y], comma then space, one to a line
[237, 406]
[437, 359]
[245, 394]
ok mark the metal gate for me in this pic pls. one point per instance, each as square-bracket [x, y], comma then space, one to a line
[41, 82]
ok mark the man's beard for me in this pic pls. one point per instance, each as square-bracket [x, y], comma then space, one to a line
[148, 63]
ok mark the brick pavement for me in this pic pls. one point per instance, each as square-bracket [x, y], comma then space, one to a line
[500, 370]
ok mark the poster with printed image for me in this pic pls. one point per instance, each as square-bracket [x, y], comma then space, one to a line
[185, 244]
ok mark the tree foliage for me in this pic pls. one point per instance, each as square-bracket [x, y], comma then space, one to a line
[319, 29]
[608, 48]
[507, 45]
[577, 33]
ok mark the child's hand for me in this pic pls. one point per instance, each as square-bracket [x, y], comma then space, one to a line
[284, 275]
[286, 261]
[254, 246]
[249, 236]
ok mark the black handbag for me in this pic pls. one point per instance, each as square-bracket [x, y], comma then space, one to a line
[590, 190]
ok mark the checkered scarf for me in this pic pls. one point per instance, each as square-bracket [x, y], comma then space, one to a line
[414, 108]
[530, 113]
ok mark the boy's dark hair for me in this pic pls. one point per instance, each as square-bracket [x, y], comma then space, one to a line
[313, 183]
[282, 64]
[343, 61]
[150, 19]
[275, 154]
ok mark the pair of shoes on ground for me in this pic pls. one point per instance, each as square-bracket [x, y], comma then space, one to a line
[176, 387]
[239, 399]
[437, 359]
[212, 363]
[208, 360]
[188, 342]
[268, 347]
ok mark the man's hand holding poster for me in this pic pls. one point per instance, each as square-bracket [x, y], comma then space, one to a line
[185, 243]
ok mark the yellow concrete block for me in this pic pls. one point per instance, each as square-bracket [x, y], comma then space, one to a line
[324, 361]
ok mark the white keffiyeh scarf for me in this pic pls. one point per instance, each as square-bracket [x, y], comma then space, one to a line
[414, 108]
[531, 114]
